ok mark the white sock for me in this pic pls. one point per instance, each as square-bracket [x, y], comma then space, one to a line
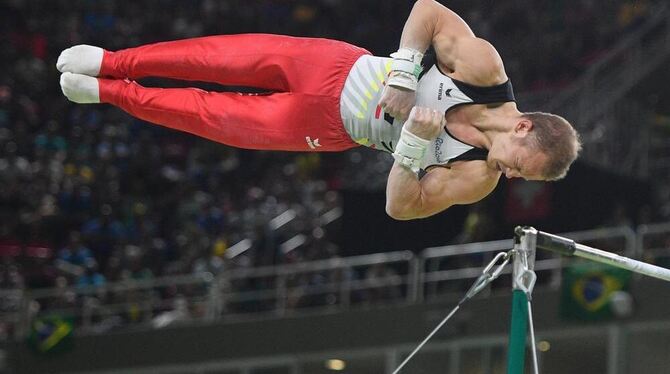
[81, 59]
[80, 88]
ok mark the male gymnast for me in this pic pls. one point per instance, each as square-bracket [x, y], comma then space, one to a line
[455, 118]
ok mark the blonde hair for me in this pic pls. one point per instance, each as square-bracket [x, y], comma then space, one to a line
[555, 136]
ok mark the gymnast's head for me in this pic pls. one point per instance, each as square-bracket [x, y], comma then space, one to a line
[538, 146]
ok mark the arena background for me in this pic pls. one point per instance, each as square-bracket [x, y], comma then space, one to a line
[132, 248]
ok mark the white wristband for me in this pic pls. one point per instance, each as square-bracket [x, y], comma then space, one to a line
[410, 150]
[403, 80]
[408, 54]
[407, 60]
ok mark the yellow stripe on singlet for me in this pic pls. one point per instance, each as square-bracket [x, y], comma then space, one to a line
[363, 141]
[364, 104]
[380, 76]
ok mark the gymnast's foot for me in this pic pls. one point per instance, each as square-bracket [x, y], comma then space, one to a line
[80, 88]
[81, 59]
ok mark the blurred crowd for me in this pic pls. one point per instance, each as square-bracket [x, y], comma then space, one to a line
[89, 195]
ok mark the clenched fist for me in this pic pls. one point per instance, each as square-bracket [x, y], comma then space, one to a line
[425, 123]
[397, 102]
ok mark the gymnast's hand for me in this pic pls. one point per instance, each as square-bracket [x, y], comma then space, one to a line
[397, 101]
[425, 123]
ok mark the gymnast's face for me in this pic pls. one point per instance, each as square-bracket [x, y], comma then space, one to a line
[515, 155]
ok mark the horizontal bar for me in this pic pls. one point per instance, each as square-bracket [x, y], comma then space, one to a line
[568, 247]
[555, 243]
[614, 259]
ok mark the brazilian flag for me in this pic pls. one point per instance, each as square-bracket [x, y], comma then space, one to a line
[52, 334]
[587, 288]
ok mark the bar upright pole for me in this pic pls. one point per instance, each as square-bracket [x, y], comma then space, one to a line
[524, 263]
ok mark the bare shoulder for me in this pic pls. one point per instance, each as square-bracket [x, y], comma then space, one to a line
[471, 181]
[482, 177]
[472, 60]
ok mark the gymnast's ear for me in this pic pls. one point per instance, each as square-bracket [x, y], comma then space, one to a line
[522, 127]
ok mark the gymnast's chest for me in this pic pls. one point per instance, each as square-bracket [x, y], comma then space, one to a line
[459, 124]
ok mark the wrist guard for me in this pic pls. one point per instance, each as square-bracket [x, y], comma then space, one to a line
[410, 150]
[405, 69]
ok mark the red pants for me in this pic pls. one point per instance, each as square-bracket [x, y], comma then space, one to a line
[305, 76]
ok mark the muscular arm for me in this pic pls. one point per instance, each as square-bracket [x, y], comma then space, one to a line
[407, 197]
[463, 183]
[458, 50]
[428, 21]
[466, 58]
